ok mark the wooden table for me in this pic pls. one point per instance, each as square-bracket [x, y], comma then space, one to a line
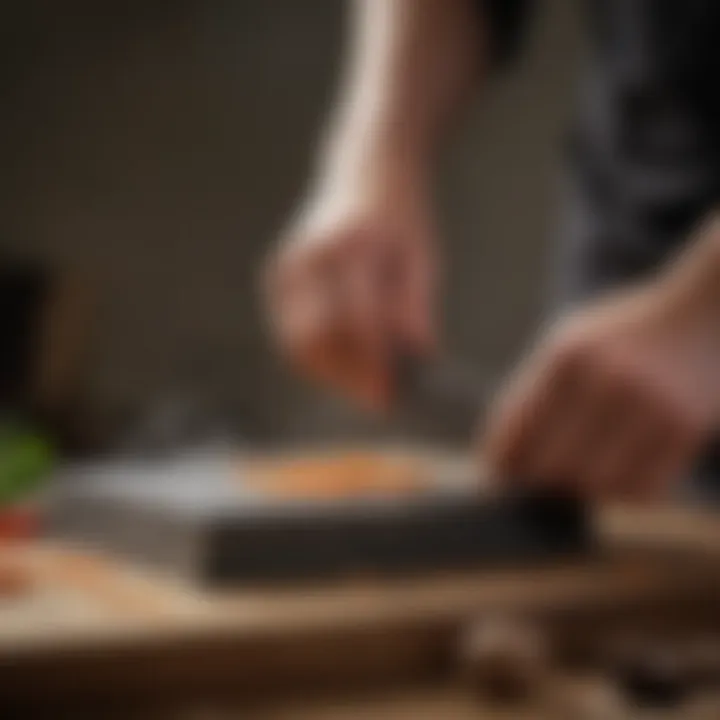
[97, 633]
[437, 704]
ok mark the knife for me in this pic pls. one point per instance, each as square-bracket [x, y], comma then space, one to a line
[446, 400]
[442, 398]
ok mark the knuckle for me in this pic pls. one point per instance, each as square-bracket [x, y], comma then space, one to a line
[687, 428]
[494, 450]
[573, 354]
[623, 380]
[683, 427]
[310, 353]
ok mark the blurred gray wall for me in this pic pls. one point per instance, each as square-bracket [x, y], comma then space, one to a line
[161, 144]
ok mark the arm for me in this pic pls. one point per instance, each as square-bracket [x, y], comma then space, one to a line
[411, 65]
[693, 280]
[621, 397]
[354, 276]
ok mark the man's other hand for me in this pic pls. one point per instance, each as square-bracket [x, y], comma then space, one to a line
[616, 401]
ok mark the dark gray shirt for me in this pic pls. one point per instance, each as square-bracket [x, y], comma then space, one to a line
[643, 161]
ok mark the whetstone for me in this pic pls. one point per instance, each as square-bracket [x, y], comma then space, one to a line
[198, 521]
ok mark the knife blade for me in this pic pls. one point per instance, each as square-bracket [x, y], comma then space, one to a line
[451, 401]
[443, 398]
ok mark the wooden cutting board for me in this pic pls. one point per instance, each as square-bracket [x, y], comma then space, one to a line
[90, 627]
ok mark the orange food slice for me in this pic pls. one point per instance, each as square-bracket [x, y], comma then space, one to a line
[337, 475]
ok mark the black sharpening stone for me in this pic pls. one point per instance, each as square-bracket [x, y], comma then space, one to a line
[193, 521]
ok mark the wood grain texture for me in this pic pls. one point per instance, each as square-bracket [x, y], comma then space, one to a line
[99, 629]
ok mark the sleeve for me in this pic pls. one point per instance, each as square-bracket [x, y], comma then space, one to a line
[508, 20]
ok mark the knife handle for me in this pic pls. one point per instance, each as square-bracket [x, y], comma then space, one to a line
[440, 396]
[449, 389]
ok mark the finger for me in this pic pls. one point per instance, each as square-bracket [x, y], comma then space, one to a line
[571, 431]
[649, 439]
[355, 335]
[664, 454]
[531, 417]
[651, 466]
[613, 475]
[320, 314]
[292, 289]
[625, 434]
[508, 424]
[670, 465]
[413, 301]
[592, 443]
[306, 331]
[301, 283]
[367, 328]
[305, 262]
[338, 336]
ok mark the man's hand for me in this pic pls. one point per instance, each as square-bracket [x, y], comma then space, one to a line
[618, 399]
[353, 280]
[352, 284]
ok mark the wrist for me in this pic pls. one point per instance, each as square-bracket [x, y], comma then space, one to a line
[687, 300]
[693, 281]
[373, 167]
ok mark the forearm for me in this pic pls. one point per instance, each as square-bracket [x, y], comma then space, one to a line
[693, 279]
[411, 64]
